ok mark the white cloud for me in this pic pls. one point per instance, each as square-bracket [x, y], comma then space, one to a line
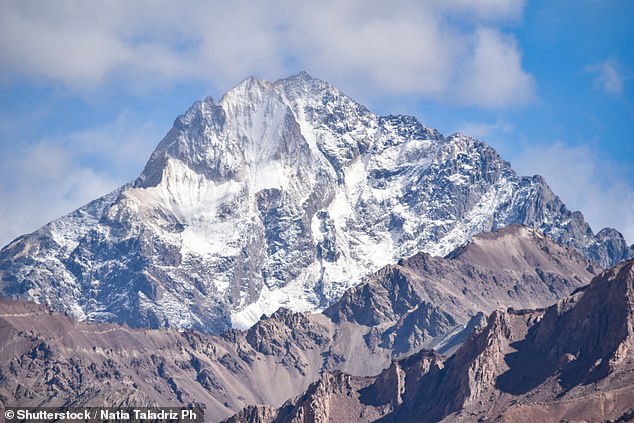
[450, 50]
[607, 77]
[585, 180]
[44, 185]
[47, 178]
[486, 9]
[453, 51]
[122, 146]
[493, 75]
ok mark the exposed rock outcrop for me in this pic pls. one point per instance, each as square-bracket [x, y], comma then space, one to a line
[281, 194]
[49, 359]
[415, 303]
[572, 361]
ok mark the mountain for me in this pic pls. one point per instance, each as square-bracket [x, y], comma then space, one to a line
[573, 361]
[281, 194]
[422, 301]
[48, 359]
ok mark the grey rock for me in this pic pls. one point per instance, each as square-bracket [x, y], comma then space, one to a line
[48, 359]
[282, 194]
[573, 361]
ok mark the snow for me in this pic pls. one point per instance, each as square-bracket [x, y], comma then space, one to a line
[458, 179]
[271, 174]
[293, 296]
[238, 207]
[192, 200]
[68, 230]
[477, 220]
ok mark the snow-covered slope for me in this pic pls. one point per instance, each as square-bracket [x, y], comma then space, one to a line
[281, 194]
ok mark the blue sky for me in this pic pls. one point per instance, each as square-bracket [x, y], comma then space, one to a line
[88, 89]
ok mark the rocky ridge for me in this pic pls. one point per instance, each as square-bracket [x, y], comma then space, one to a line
[50, 359]
[572, 361]
[282, 194]
[424, 301]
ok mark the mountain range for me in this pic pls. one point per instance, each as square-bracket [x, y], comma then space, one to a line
[572, 361]
[286, 194]
[424, 302]
[286, 255]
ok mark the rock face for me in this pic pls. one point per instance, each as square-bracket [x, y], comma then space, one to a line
[573, 361]
[281, 194]
[422, 301]
[49, 359]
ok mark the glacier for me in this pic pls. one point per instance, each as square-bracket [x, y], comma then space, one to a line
[281, 194]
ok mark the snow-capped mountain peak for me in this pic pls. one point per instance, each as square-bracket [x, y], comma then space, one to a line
[281, 194]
